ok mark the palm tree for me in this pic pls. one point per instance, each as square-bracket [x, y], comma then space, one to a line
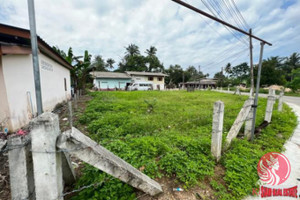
[83, 69]
[132, 50]
[110, 62]
[151, 51]
[228, 68]
[98, 64]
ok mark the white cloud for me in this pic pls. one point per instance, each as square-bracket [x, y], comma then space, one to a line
[182, 37]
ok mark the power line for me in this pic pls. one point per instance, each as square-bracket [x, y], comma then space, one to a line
[224, 53]
[234, 15]
[219, 20]
[211, 8]
[240, 14]
[234, 55]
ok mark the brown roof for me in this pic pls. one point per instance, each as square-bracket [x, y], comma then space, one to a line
[97, 74]
[146, 73]
[10, 35]
[202, 81]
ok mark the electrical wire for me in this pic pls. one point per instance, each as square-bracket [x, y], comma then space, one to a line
[211, 7]
[240, 14]
[235, 55]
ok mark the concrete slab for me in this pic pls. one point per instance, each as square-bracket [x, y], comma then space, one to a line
[84, 148]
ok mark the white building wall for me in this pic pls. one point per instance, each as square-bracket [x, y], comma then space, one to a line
[19, 82]
[155, 81]
[139, 79]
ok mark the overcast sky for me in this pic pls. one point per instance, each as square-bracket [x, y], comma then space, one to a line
[181, 36]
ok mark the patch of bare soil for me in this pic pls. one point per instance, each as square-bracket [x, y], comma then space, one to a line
[203, 191]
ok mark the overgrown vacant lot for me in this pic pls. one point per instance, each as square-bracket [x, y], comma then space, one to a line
[168, 134]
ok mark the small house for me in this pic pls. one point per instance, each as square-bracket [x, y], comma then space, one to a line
[17, 88]
[156, 78]
[105, 81]
[202, 84]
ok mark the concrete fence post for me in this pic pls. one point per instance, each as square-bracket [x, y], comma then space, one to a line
[238, 123]
[280, 101]
[20, 168]
[70, 114]
[47, 163]
[75, 101]
[248, 121]
[228, 89]
[270, 104]
[217, 130]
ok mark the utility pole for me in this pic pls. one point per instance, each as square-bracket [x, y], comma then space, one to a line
[183, 86]
[35, 60]
[199, 75]
[251, 63]
[257, 89]
[221, 77]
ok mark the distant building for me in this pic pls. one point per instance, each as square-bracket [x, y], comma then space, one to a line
[156, 78]
[120, 81]
[110, 80]
[17, 97]
[203, 83]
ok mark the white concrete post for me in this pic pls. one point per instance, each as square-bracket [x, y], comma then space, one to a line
[228, 89]
[217, 130]
[75, 101]
[280, 101]
[20, 169]
[238, 123]
[270, 104]
[47, 163]
[248, 121]
[70, 114]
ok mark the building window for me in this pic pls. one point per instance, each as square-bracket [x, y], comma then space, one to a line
[138, 78]
[150, 78]
[65, 81]
[160, 78]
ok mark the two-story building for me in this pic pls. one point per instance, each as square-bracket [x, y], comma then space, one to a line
[156, 78]
[106, 81]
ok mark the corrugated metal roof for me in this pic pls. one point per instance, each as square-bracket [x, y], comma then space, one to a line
[146, 73]
[98, 74]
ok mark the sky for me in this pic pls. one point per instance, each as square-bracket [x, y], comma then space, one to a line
[181, 36]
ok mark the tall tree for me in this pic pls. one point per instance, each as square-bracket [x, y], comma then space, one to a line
[98, 64]
[271, 72]
[152, 60]
[110, 63]
[132, 50]
[83, 69]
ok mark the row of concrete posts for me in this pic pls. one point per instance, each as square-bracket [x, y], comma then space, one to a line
[245, 116]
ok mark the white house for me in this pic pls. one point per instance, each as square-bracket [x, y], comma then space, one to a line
[157, 78]
[17, 89]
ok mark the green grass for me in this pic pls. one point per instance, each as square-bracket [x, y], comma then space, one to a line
[169, 134]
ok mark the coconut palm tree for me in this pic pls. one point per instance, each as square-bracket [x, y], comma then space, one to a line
[110, 62]
[151, 51]
[132, 50]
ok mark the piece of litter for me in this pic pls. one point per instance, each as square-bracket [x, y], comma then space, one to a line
[21, 132]
[65, 119]
[178, 189]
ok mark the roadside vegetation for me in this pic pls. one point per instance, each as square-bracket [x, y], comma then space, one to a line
[168, 135]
